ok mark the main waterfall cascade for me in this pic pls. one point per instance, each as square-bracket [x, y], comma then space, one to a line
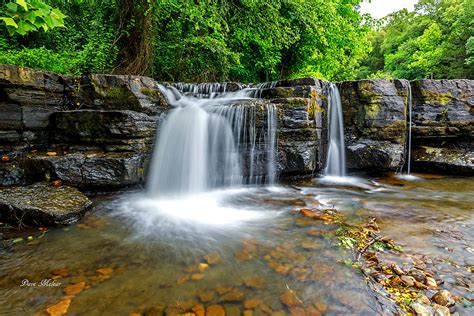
[208, 137]
[336, 159]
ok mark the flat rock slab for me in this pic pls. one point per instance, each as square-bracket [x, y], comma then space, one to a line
[42, 204]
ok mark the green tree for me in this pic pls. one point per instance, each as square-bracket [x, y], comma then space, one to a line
[24, 16]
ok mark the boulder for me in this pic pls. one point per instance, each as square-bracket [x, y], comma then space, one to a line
[375, 123]
[91, 170]
[42, 204]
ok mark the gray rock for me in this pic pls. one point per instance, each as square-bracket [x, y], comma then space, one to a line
[103, 127]
[42, 205]
[443, 125]
[91, 170]
[375, 123]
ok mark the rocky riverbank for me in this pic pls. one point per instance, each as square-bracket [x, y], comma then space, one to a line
[96, 132]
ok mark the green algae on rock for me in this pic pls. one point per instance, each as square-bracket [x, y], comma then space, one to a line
[42, 204]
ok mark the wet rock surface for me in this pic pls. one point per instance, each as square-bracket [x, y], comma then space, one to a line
[99, 170]
[443, 125]
[42, 204]
[120, 114]
[375, 123]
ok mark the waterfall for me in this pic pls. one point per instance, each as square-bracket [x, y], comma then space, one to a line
[410, 119]
[336, 159]
[212, 139]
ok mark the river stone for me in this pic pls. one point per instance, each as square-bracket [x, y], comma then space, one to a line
[443, 298]
[42, 204]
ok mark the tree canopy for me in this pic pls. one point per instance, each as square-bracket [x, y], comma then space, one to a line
[241, 40]
[201, 40]
[434, 41]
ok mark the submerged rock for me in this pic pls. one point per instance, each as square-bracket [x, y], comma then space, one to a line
[42, 204]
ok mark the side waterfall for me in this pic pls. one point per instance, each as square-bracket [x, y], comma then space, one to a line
[336, 160]
[212, 139]
[410, 122]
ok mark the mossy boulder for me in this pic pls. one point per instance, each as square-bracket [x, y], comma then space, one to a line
[42, 204]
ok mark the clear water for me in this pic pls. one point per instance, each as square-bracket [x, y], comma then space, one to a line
[153, 245]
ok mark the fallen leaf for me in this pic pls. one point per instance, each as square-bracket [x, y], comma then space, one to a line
[59, 308]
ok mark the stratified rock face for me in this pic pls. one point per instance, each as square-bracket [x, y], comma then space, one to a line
[443, 126]
[42, 205]
[302, 125]
[89, 170]
[115, 116]
[375, 123]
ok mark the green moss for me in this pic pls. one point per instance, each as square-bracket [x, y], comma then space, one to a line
[151, 92]
[372, 110]
[433, 96]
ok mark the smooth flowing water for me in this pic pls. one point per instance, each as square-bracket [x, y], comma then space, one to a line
[336, 159]
[235, 245]
[208, 139]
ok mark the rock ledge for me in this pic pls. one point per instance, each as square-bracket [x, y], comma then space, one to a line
[42, 204]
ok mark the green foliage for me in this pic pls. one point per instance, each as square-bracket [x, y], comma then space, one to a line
[24, 16]
[206, 40]
[434, 41]
[85, 44]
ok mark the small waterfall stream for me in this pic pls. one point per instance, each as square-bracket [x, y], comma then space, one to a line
[212, 139]
[336, 159]
[410, 122]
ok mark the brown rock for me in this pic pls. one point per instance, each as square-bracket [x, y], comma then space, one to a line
[407, 280]
[75, 288]
[418, 275]
[60, 308]
[223, 290]
[278, 313]
[197, 276]
[443, 298]
[206, 296]
[431, 283]
[183, 280]
[215, 310]
[290, 299]
[397, 269]
[297, 311]
[309, 245]
[252, 303]
[57, 183]
[311, 311]
[203, 267]
[440, 310]
[420, 285]
[213, 258]
[248, 313]
[233, 296]
[321, 306]
[199, 310]
[256, 282]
